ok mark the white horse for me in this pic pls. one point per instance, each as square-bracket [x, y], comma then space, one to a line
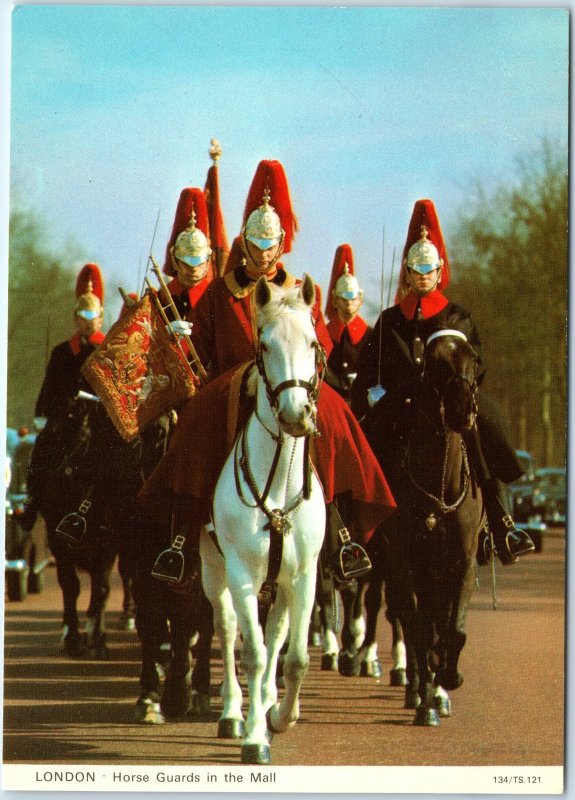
[268, 490]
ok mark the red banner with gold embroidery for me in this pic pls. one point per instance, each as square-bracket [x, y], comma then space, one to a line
[138, 371]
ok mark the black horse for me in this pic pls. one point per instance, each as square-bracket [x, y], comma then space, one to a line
[78, 523]
[432, 538]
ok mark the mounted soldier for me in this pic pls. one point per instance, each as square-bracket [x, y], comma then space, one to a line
[348, 331]
[391, 367]
[62, 383]
[225, 338]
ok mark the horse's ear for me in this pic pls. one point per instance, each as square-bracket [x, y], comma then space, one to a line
[307, 290]
[263, 292]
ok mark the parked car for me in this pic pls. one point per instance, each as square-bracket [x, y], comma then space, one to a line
[549, 494]
[26, 554]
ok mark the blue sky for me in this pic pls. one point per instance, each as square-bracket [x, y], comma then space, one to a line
[369, 108]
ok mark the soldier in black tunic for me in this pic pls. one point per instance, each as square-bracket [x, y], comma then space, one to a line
[348, 331]
[62, 382]
[391, 366]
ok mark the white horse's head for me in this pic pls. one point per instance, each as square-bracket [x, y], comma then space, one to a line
[288, 354]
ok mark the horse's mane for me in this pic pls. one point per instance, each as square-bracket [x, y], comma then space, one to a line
[282, 301]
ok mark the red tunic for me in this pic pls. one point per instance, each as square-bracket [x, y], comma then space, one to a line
[223, 335]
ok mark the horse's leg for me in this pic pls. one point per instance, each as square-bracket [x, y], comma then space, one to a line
[276, 633]
[296, 662]
[348, 659]
[202, 651]
[455, 636]
[231, 722]
[125, 570]
[150, 625]
[243, 585]
[70, 585]
[177, 693]
[95, 622]
[327, 601]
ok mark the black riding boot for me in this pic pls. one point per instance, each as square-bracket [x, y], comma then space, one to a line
[180, 563]
[343, 558]
[510, 541]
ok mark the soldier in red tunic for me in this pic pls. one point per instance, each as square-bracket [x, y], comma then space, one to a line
[388, 372]
[62, 382]
[223, 334]
[348, 331]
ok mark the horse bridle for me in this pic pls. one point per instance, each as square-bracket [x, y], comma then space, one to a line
[456, 376]
[312, 386]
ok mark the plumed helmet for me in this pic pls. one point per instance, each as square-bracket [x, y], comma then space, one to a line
[424, 248]
[89, 292]
[268, 214]
[343, 282]
[189, 238]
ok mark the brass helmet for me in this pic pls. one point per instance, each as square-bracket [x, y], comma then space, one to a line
[423, 256]
[89, 292]
[263, 226]
[347, 286]
[192, 245]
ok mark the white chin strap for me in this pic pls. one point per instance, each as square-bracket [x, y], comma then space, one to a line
[446, 332]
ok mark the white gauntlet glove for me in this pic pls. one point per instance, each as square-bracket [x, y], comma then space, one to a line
[180, 327]
[40, 423]
[374, 395]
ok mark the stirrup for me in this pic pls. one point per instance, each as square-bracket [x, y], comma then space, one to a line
[170, 564]
[351, 561]
[72, 527]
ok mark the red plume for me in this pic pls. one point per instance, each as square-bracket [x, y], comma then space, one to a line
[343, 256]
[271, 175]
[90, 280]
[191, 197]
[424, 213]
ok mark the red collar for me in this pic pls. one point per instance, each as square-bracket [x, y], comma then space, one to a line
[194, 292]
[356, 329]
[431, 304]
[95, 339]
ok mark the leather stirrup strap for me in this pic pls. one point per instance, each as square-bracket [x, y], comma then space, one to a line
[234, 399]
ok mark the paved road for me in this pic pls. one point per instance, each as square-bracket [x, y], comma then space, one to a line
[508, 711]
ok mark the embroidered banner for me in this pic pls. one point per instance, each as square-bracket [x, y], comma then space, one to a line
[138, 371]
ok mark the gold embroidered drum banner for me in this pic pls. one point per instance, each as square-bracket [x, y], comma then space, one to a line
[138, 371]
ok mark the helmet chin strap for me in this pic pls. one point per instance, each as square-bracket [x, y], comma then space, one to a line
[271, 268]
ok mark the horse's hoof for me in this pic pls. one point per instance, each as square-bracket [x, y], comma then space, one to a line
[371, 669]
[329, 662]
[348, 663]
[148, 711]
[315, 639]
[426, 717]
[97, 650]
[256, 754]
[75, 645]
[449, 680]
[442, 705]
[412, 698]
[200, 705]
[397, 677]
[231, 729]
[177, 695]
